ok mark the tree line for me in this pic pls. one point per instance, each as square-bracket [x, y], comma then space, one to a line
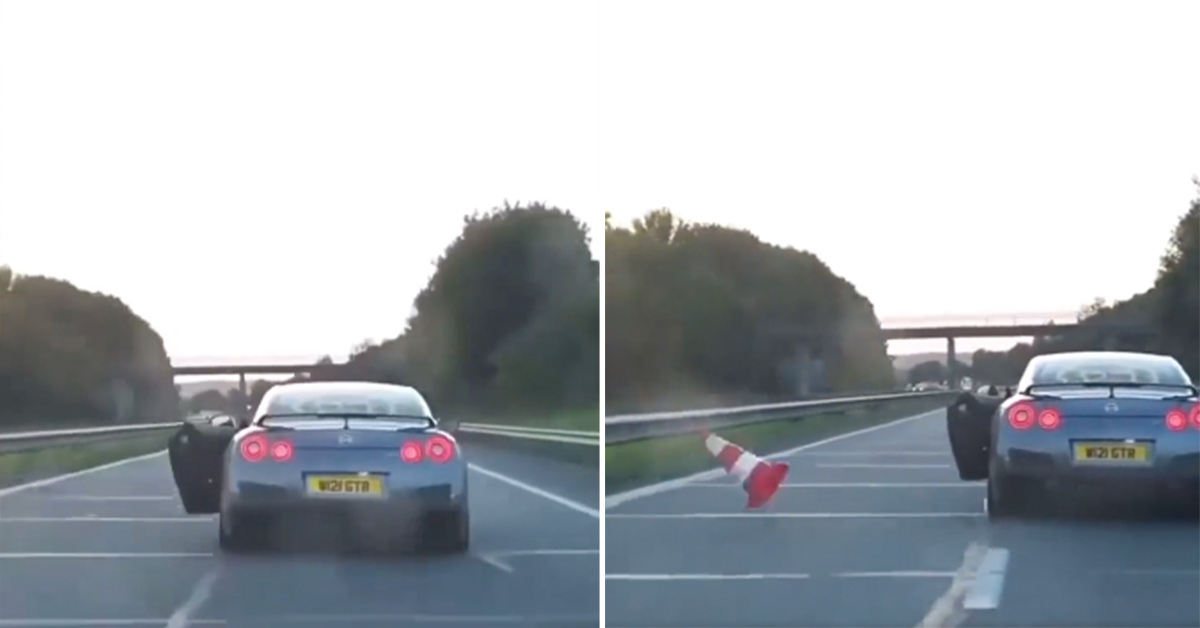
[700, 314]
[72, 357]
[509, 323]
[1169, 309]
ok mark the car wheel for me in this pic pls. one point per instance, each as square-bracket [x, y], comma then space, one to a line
[1006, 497]
[450, 533]
[239, 533]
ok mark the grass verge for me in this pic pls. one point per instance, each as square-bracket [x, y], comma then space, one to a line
[629, 465]
[27, 466]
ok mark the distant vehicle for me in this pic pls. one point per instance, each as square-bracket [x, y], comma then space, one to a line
[371, 453]
[1082, 419]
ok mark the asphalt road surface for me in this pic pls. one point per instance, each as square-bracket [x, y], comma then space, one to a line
[876, 529]
[113, 547]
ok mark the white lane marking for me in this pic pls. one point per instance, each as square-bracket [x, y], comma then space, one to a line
[866, 465]
[32, 622]
[797, 515]
[547, 552]
[182, 617]
[848, 485]
[529, 488]
[195, 519]
[494, 561]
[985, 592]
[881, 452]
[1152, 572]
[100, 555]
[401, 619]
[617, 499]
[945, 611]
[103, 498]
[74, 474]
[895, 574]
[847, 575]
[691, 577]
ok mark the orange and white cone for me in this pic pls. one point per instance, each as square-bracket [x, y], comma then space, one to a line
[760, 479]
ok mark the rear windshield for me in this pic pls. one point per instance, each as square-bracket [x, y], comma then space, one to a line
[393, 405]
[1125, 370]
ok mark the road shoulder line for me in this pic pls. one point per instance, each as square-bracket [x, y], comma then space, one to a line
[4, 492]
[533, 490]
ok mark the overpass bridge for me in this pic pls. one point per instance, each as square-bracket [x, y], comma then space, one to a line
[948, 326]
[956, 326]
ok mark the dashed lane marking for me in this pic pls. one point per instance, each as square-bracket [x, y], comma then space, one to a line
[869, 465]
[946, 611]
[496, 559]
[849, 485]
[985, 592]
[798, 515]
[99, 555]
[95, 519]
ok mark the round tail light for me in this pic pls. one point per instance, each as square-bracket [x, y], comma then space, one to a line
[1049, 419]
[411, 452]
[440, 449]
[1195, 414]
[254, 448]
[1021, 416]
[282, 451]
[1177, 421]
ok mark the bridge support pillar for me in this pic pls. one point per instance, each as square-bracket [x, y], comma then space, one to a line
[951, 359]
[242, 389]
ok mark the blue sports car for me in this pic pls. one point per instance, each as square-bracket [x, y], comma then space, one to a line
[1108, 420]
[365, 454]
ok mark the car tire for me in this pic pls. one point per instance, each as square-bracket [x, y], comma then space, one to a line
[244, 533]
[450, 533]
[1007, 497]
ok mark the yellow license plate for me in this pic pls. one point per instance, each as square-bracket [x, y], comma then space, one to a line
[352, 485]
[1112, 452]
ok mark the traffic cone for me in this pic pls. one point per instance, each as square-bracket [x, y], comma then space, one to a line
[760, 479]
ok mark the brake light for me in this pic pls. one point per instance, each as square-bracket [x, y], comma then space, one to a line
[440, 449]
[1050, 419]
[1021, 416]
[254, 448]
[1177, 421]
[411, 452]
[1195, 414]
[281, 450]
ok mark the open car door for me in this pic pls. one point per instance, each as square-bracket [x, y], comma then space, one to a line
[969, 425]
[197, 453]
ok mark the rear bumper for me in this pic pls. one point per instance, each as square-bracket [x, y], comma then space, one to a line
[1172, 471]
[408, 503]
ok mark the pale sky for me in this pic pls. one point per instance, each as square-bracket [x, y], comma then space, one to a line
[276, 178]
[892, 138]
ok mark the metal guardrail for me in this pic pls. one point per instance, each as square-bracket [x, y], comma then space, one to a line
[45, 439]
[634, 427]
